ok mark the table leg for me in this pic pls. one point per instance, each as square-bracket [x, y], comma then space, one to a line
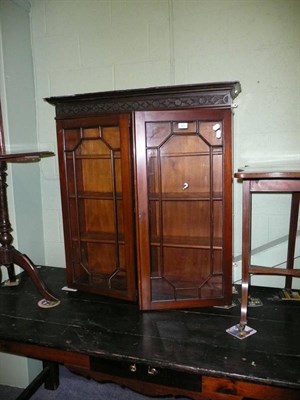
[292, 236]
[49, 376]
[12, 274]
[10, 256]
[246, 248]
[52, 379]
[241, 330]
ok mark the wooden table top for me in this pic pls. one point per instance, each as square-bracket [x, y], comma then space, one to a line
[193, 341]
[25, 156]
[270, 170]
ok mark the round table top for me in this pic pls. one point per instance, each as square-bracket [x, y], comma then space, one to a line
[28, 156]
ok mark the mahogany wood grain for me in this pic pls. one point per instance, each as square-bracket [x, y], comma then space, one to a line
[156, 220]
[268, 178]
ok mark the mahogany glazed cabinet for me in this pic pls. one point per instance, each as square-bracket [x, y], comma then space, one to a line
[146, 187]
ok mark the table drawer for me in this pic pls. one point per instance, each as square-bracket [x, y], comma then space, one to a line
[146, 373]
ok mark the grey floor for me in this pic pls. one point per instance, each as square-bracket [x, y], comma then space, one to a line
[79, 388]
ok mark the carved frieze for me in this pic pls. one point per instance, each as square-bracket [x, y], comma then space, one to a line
[96, 107]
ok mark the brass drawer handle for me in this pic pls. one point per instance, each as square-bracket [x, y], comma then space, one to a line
[132, 368]
[152, 371]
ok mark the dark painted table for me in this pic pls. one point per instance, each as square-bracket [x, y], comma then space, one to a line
[185, 352]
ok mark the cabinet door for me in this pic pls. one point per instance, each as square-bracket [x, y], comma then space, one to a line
[96, 189]
[184, 210]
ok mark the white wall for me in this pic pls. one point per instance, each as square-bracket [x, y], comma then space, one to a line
[19, 118]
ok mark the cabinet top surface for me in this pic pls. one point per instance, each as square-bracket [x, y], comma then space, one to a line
[270, 170]
[233, 87]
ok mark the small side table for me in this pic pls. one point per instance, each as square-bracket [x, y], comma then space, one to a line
[8, 254]
[279, 178]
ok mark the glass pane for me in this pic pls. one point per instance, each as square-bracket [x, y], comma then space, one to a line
[96, 175]
[185, 175]
[97, 216]
[218, 223]
[91, 133]
[186, 267]
[93, 147]
[154, 220]
[111, 135]
[72, 139]
[217, 264]
[152, 172]
[178, 144]
[186, 275]
[185, 220]
[213, 288]
[212, 132]
[157, 133]
[217, 170]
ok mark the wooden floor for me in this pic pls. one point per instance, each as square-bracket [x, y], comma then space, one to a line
[184, 352]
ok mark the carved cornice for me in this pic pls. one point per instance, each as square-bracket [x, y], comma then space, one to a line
[149, 99]
[96, 107]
